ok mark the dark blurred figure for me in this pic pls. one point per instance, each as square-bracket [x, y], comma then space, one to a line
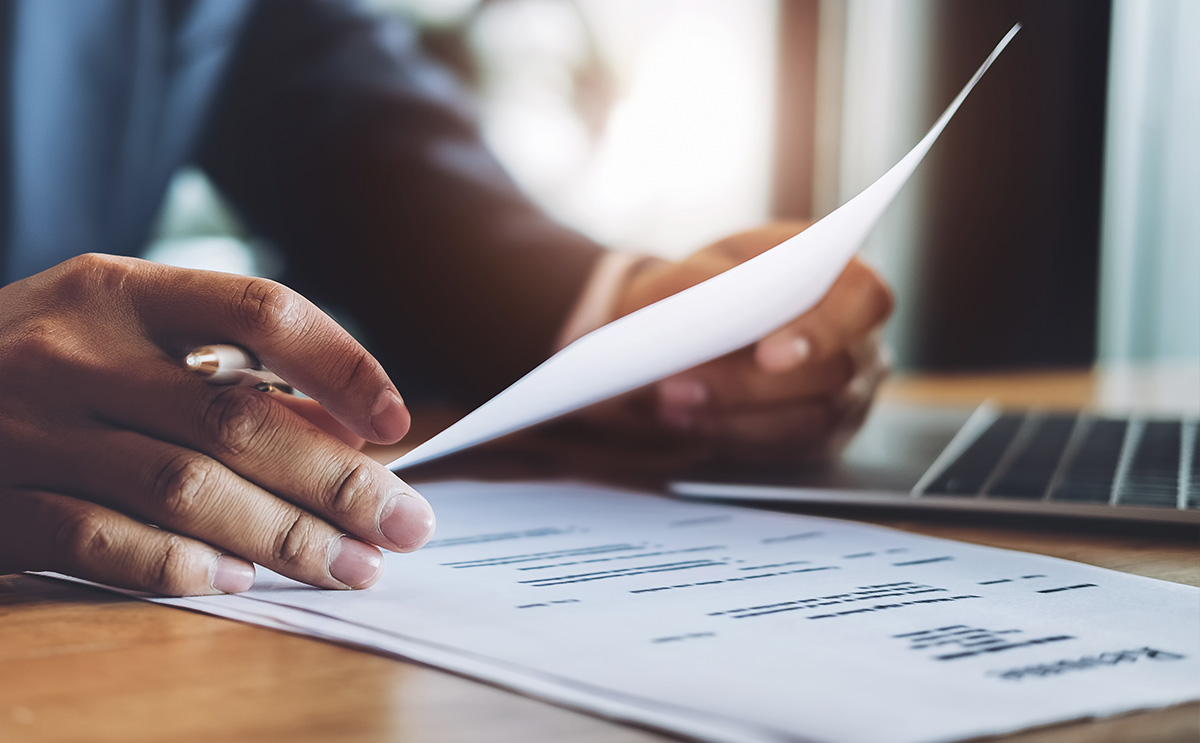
[336, 140]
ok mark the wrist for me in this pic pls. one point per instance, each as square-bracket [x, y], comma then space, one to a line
[606, 294]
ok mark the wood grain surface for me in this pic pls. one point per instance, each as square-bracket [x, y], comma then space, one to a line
[78, 664]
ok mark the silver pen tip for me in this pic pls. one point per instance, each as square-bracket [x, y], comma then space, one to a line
[202, 361]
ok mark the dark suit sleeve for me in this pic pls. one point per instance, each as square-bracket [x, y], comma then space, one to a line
[337, 141]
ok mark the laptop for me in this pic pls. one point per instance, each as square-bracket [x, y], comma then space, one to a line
[1083, 464]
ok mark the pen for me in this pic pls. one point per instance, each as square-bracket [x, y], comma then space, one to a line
[221, 363]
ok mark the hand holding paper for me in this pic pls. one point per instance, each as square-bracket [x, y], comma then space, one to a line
[725, 313]
[802, 391]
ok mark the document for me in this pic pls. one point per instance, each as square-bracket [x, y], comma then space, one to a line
[729, 624]
[713, 318]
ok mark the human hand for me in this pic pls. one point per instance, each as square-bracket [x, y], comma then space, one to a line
[119, 466]
[800, 393]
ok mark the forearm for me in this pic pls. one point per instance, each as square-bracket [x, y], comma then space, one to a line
[339, 142]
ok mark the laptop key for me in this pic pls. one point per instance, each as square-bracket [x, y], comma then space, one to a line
[1153, 477]
[1089, 476]
[1191, 435]
[1027, 472]
[967, 474]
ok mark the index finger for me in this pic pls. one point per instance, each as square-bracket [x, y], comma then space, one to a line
[858, 302]
[287, 333]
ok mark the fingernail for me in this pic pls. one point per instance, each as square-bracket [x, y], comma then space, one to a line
[782, 353]
[231, 575]
[407, 521]
[390, 418]
[353, 563]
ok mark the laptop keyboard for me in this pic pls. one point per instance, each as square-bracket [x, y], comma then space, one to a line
[1075, 458]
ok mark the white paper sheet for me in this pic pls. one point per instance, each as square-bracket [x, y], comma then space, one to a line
[729, 624]
[711, 319]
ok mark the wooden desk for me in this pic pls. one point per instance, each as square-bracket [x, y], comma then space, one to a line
[82, 665]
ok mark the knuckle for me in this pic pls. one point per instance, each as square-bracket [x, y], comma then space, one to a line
[51, 350]
[270, 308]
[172, 573]
[49, 354]
[236, 419]
[355, 487]
[83, 536]
[294, 543]
[83, 268]
[180, 485]
[40, 338]
[92, 274]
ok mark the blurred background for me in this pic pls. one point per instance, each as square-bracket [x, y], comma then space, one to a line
[1056, 223]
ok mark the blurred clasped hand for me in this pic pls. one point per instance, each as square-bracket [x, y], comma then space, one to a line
[119, 466]
[799, 394]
